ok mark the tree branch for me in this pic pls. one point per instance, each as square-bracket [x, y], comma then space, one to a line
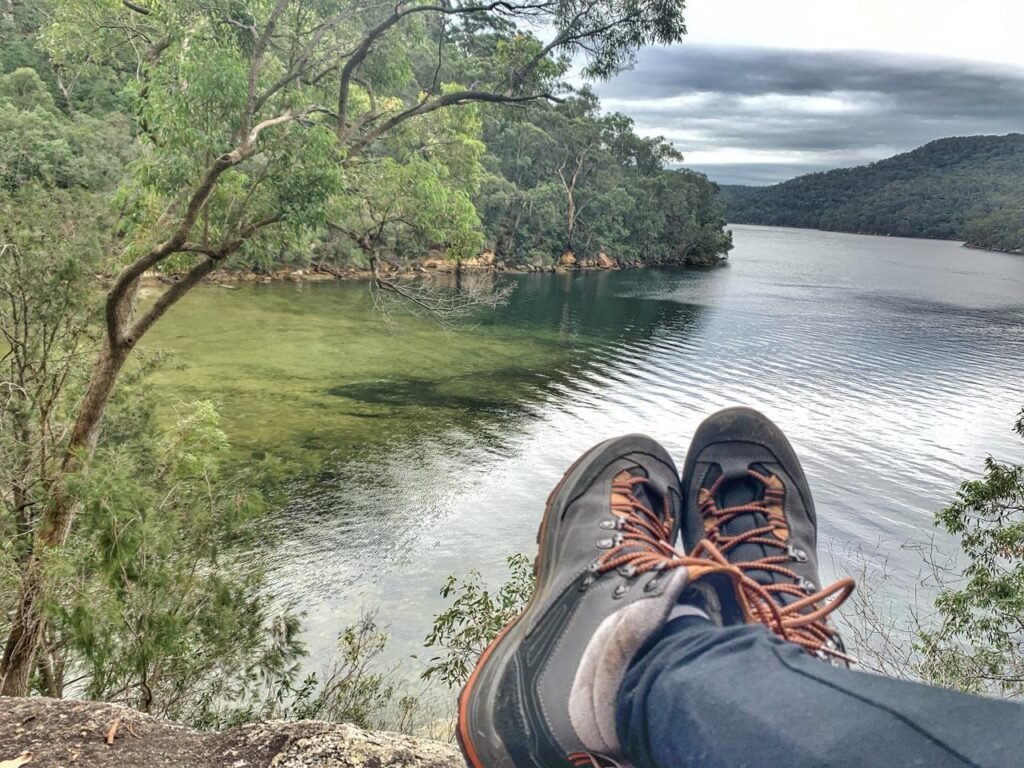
[257, 60]
[447, 100]
[364, 48]
[128, 277]
[170, 297]
[135, 7]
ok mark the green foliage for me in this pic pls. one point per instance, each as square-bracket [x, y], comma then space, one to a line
[352, 689]
[965, 188]
[151, 601]
[158, 606]
[416, 195]
[626, 202]
[474, 619]
[977, 645]
[41, 146]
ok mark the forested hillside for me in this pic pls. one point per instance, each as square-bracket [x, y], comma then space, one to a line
[966, 188]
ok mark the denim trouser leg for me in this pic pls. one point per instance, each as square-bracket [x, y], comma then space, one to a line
[702, 696]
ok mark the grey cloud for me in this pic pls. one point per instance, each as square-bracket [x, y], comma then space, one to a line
[901, 102]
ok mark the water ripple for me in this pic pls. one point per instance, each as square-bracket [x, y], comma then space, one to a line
[894, 365]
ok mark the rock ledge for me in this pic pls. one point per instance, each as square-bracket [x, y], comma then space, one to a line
[65, 733]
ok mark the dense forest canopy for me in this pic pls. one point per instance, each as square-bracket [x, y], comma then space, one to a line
[965, 188]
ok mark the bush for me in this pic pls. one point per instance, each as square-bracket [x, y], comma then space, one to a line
[475, 618]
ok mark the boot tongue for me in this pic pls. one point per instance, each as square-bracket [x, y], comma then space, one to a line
[643, 494]
[738, 490]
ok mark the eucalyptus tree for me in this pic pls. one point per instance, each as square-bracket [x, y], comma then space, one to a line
[251, 115]
[565, 177]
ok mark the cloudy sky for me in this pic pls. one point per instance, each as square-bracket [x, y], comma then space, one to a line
[763, 91]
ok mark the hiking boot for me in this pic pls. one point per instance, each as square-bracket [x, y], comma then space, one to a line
[745, 492]
[543, 693]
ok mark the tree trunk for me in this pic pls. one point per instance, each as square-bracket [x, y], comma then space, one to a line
[29, 622]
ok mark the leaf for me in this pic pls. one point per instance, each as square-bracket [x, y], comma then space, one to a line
[17, 762]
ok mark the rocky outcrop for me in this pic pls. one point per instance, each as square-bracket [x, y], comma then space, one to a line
[436, 263]
[484, 261]
[439, 265]
[62, 734]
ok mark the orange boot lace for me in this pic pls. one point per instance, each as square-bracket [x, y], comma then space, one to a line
[803, 621]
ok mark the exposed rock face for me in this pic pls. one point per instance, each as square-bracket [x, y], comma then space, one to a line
[438, 265]
[568, 259]
[75, 733]
[604, 261]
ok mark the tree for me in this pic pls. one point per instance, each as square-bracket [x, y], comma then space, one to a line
[417, 195]
[566, 176]
[249, 113]
[977, 643]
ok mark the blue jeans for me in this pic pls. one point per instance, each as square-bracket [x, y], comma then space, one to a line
[701, 696]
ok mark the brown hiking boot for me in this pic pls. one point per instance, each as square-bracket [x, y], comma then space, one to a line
[543, 693]
[745, 493]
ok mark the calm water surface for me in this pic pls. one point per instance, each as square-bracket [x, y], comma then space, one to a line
[894, 365]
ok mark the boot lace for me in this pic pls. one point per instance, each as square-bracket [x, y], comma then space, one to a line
[803, 621]
[641, 543]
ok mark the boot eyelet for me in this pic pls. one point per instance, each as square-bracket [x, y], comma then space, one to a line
[629, 571]
[587, 581]
[620, 591]
[653, 585]
[808, 586]
[608, 525]
[605, 543]
[594, 567]
[797, 554]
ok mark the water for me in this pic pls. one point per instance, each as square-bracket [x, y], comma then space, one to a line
[894, 365]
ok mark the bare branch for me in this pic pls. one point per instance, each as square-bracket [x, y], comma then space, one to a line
[127, 279]
[171, 296]
[448, 306]
[136, 7]
[447, 100]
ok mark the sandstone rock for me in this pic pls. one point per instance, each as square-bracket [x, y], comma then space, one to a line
[568, 259]
[487, 258]
[604, 261]
[65, 733]
[438, 265]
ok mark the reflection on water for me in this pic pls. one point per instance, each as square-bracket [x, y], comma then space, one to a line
[894, 366]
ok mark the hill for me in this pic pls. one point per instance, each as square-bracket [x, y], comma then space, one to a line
[964, 188]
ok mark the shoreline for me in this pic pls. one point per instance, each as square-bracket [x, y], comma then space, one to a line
[322, 273]
[962, 243]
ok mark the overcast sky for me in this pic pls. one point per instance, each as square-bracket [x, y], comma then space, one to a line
[762, 91]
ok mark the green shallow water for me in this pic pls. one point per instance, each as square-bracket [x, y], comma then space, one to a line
[307, 371]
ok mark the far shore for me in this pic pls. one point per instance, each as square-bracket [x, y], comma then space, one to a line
[485, 264]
